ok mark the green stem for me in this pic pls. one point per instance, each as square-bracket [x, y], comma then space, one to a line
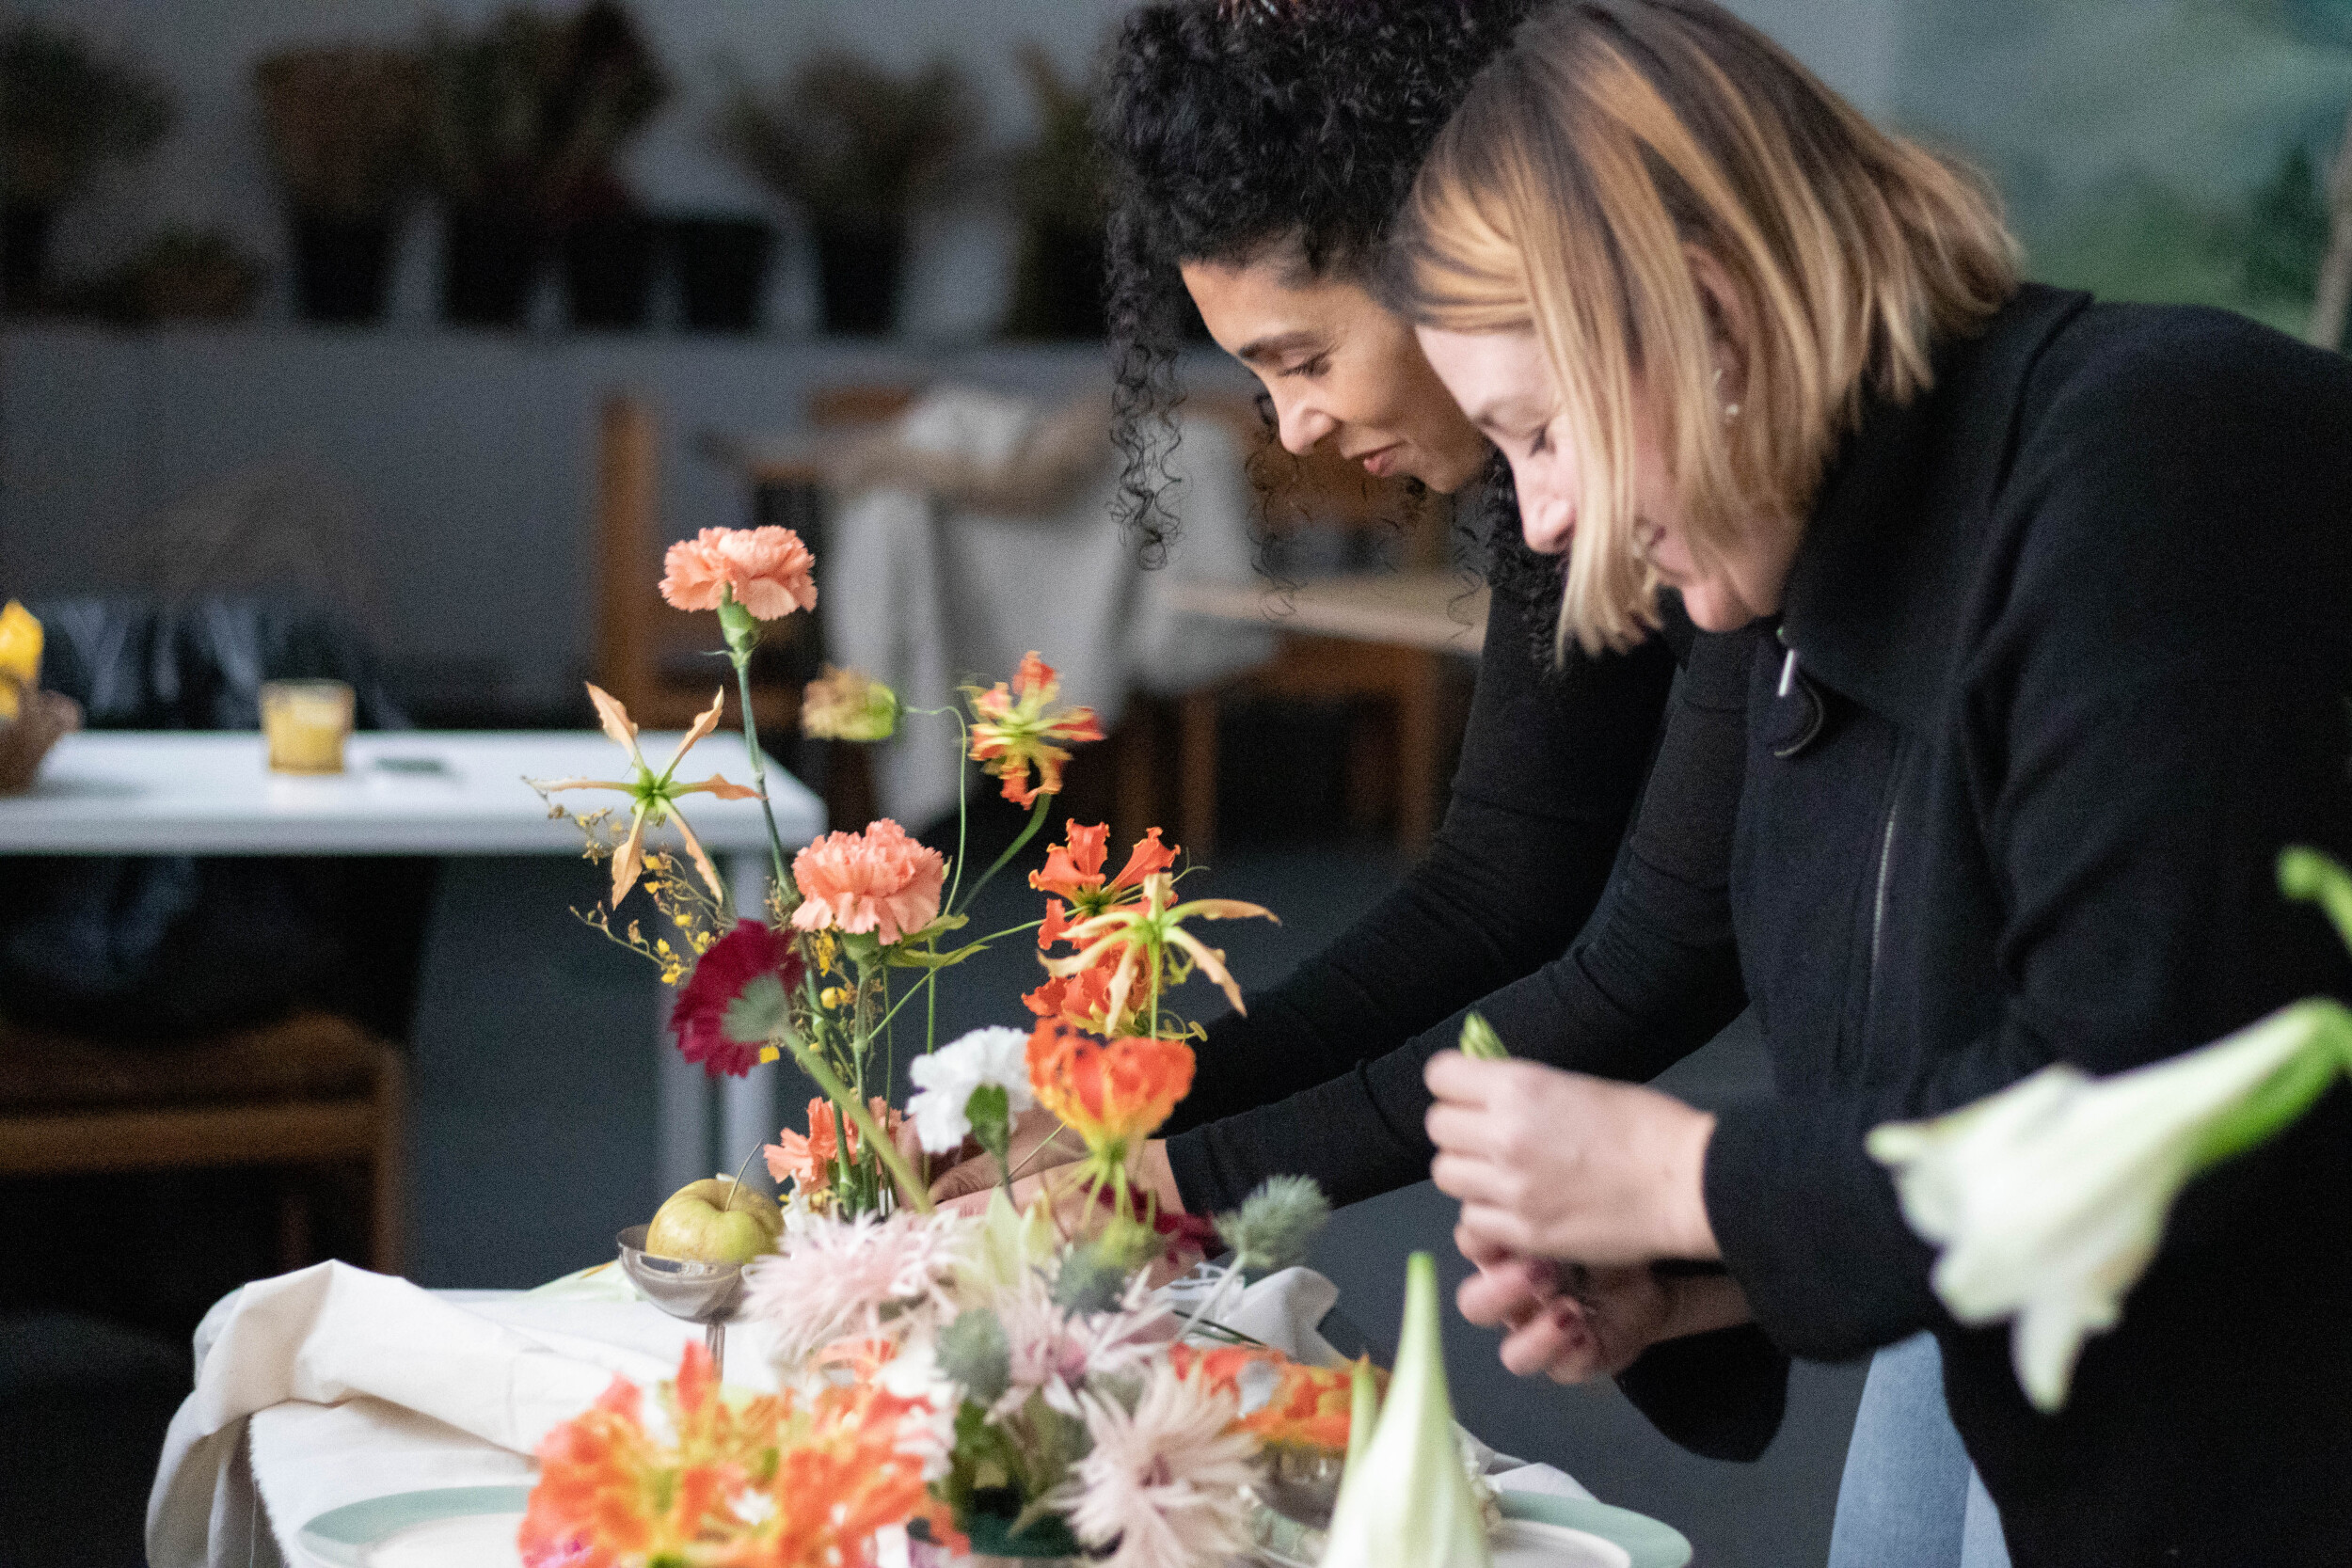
[1036, 820]
[963, 795]
[931, 1012]
[849, 1105]
[742, 634]
[933, 974]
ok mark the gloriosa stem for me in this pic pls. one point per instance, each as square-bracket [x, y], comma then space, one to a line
[1036, 820]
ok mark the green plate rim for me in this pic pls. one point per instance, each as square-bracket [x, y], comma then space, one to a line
[340, 1535]
[1652, 1542]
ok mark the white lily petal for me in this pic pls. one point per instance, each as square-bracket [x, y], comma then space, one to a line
[2050, 1198]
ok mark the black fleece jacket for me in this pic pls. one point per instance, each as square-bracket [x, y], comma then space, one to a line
[2073, 643]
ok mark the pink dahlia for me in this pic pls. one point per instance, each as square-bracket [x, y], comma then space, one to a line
[879, 880]
[1167, 1483]
[750, 955]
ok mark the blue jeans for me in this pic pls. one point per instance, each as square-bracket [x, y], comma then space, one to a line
[1910, 1499]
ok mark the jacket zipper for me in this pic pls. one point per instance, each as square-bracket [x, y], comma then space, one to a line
[1878, 907]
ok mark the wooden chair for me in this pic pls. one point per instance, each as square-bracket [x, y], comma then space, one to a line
[1384, 636]
[651, 657]
[313, 1091]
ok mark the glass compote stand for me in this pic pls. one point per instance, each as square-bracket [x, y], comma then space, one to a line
[704, 1293]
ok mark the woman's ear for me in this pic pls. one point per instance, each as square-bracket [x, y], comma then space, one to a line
[1727, 316]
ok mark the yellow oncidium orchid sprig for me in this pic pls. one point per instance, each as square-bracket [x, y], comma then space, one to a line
[655, 795]
[1143, 933]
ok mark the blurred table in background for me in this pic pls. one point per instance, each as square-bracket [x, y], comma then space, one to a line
[414, 793]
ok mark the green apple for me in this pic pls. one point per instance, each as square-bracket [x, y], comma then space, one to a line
[715, 1220]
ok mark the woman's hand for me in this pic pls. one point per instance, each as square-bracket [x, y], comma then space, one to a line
[1075, 1214]
[1572, 1323]
[1556, 1165]
[1598, 1329]
[1039, 1141]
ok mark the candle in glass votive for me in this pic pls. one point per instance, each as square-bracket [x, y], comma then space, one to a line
[307, 723]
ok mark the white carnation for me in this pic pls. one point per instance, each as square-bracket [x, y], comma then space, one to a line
[946, 1079]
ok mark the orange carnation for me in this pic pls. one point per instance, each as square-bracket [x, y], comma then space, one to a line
[769, 570]
[807, 1158]
[879, 880]
[1111, 1093]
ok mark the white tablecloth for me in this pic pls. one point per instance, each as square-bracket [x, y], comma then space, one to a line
[332, 1384]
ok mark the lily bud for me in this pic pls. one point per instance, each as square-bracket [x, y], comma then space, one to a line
[1404, 1499]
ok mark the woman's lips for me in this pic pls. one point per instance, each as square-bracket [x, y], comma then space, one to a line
[1380, 463]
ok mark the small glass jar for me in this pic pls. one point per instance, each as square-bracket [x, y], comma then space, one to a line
[306, 724]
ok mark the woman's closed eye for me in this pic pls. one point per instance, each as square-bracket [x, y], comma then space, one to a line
[1310, 369]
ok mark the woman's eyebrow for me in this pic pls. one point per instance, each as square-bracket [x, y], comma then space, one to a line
[1275, 345]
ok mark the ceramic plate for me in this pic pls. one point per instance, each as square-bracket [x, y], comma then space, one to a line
[1646, 1542]
[1538, 1531]
[459, 1526]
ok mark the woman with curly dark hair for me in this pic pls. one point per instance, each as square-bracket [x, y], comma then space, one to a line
[1260, 149]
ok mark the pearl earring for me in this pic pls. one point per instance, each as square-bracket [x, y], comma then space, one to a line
[1731, 410]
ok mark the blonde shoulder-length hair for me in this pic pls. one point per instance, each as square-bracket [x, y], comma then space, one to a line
[1611, 135]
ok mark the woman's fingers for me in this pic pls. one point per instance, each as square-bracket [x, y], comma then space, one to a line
[1465, 1129]
[1040, 1143]
[1507, 1295]
[1498, 1228]
[1473, 1180]
[1479, 1252]
[1557, 1342]
[1451, 1076]
[971, 1176]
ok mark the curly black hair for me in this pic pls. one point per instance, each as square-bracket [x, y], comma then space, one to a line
[1236, 125]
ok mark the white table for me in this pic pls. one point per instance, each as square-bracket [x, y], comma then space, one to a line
[208, 793]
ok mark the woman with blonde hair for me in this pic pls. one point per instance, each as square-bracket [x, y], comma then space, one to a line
[2058, 593]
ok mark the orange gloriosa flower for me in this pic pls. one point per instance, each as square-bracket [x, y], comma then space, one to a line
[1073, 870]
[1308, 1408]
[1144, 947]
[1017, 727]
[779, 1481]
[1109, 1092]
[608, 1493]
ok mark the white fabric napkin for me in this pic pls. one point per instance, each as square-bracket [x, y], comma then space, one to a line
[411, 1373]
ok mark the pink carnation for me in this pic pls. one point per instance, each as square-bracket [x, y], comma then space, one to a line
[769, 569]
[878, 881]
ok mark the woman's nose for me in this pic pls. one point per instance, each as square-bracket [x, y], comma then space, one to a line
[1301, 425]
[1548, 523]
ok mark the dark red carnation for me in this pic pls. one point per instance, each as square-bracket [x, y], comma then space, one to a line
[726, 967]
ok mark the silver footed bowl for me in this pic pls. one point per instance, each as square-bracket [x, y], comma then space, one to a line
[699, 1292]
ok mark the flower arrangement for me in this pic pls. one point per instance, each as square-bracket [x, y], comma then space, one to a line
[1005, 1380]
